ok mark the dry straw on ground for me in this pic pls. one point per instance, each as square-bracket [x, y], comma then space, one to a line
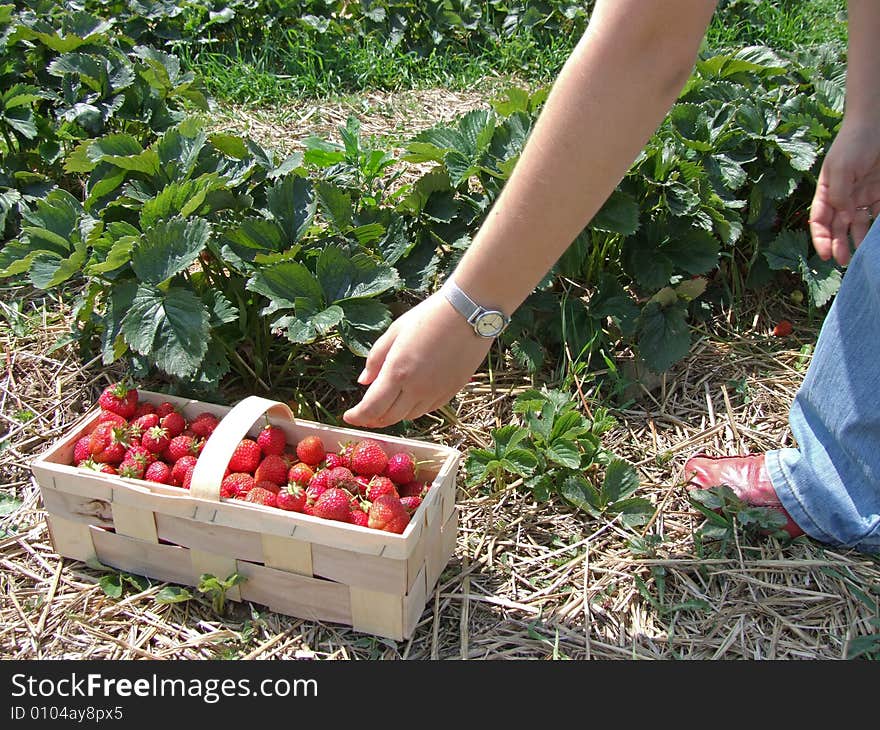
[528, 580]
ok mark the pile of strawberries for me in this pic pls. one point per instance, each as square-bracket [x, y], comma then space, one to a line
[360, 483]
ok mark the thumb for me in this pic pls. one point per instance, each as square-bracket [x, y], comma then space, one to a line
[376, 356]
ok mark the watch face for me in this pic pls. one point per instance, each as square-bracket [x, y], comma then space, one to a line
[489, 324]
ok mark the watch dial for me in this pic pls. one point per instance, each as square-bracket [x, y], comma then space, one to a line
[490, 324]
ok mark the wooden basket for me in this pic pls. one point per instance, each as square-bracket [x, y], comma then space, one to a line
[295, 564]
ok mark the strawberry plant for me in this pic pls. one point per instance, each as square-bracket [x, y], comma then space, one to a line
[555, 449]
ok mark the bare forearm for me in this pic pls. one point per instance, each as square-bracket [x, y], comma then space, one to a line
[863, 62]
[608, 100]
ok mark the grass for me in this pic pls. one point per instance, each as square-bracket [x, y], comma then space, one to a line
[287, 62]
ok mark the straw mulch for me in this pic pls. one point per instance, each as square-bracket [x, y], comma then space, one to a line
[528, 580]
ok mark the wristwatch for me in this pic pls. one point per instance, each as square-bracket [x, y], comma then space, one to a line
[486, 322]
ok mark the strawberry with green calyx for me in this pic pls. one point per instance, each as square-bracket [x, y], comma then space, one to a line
[246, 457]
[140, 425]
[156, 439]
[402, 467]
[119, 398]
[380, 485]
[368, 458]
[311, 450]
[291, 498]
[93, 465]
[203, 425]
[108, 443]
[362, 484]
[158, 472]
[258, 495]
[272, 439]
[139, 454]
[181, 446]
[272, 468]
[300, 473]
[388, 514]
[131, 469]
[237, 484]
[334, 504]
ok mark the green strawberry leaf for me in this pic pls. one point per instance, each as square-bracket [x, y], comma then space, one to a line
[663, 335]
[583, 495]
[170, 326]
[168, 248]
[621, 480]
[292, 202]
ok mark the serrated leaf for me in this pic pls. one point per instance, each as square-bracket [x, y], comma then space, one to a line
[169, 247]
[336, 204]
[788, 250]
[579, 492]
[823, 279]
[663, 335]
[366, 314]
[292, 202]
[284, 284]
[520, 461]
[619, 214]
[621, 480]
[171, 327]
[352, 277]
[565, 453]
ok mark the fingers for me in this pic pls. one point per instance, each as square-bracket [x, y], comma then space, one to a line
[376, 357]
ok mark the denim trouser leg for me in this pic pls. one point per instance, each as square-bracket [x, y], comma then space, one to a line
[830, 484]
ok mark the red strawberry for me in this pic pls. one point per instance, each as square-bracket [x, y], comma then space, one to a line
[334, 504]
[311, 450]
[203, 425]
[272, 468]
[291, 498]
[237, 484]
[361, 485]
[119, 398]
[300, 473]
[359, 517]
[316, 487]
[258, 495]
[181, 466]
[111, 417]
[379, 486]
[368, 458]
[187, 477]
[131, 469]
[401, 467]
[140, 425]
[144, 407]
[181, 446]
[139, 454]
[272, 440]
[164, 408]
[411, 504]
[387, 513]
[246, 457]
[333, 459]
[340, 476]
[156, 439]
[108, 443]
[266, 484]
[159, 472]
[174, 423]
[782, 329]
[81, 450]
[412, 489]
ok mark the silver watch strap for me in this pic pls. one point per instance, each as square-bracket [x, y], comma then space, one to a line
[465, 306]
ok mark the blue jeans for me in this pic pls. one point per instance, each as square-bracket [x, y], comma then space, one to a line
[830, 483]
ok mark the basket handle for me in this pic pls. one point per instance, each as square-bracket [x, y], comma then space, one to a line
[217, 451]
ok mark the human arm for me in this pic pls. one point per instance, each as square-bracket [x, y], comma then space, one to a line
[847, 195]
[611, 95]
